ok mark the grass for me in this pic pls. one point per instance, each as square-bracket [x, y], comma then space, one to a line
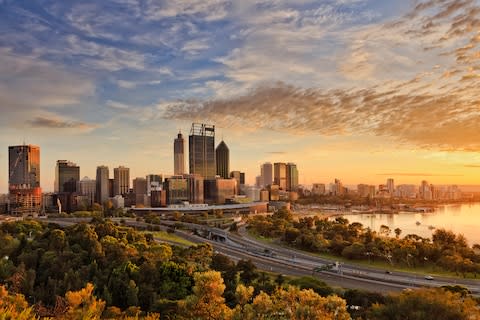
[171, 237]
[422, 270]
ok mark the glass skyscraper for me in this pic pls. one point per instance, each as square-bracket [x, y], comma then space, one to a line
[201, 150]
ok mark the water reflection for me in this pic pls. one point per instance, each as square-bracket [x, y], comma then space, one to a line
[464, 219]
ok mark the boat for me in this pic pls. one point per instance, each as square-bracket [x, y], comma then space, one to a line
[431, 227]
[418, 223]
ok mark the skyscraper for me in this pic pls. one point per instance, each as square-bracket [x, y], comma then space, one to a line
[67, 175]
[391, 186]
[280, 175]
[102, 188]
[292, 176]
[121, 180]
[179, 155]
[201, 149]
[222, 157]
[24, 179]
[266, 172]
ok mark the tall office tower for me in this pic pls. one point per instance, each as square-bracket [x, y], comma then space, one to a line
[86, 188]
[201, 149]
[222, 157]
[67, 175]
[140, 191]
[24, 179]
[121, 180]
[266, 172]
[390, 186]
[179, 155]
[292, 177]
[280, 175]
[102, 189]
[154, 183]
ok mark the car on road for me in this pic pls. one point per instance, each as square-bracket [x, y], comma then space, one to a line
[428, 278]
[388, 272]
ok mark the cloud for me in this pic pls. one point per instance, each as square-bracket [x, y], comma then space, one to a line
[117, 105]
[472, 166]
[424, 120]
[195, 46]
[209, 10]
[54, 123]
[276, 152]
[33, 83]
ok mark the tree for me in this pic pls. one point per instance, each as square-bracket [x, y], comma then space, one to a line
[423, 304]
[14, 307]
[294, 304]
[397, 231]
[207, 302]
[83, 305]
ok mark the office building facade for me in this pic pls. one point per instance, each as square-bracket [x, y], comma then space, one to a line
[67, 176]
[121, 180]
[201, 148]
[25, 193]
[266, 174]
[140, 191]
[292, 177]
[179, 155]
[102, 185]
[222, 158]
[280, 175]
[176, 190]
[86, 189]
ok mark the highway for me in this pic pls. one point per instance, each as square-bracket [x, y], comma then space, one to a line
[279, 259]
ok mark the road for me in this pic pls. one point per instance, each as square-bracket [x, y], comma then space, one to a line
[279, 259]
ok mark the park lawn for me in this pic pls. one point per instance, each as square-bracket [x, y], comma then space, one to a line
[171, 237]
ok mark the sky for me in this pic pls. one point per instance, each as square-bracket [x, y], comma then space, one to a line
[360, 90]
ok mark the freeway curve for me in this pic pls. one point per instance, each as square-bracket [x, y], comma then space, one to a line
[276, 258]
[362, 277]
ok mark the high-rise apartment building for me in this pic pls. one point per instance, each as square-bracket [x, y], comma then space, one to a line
[266, 173]
[222, 157]
[292, 177]
[280, 175]
[121, 181]
[67, 175]
[102, 185]
[179, 155]
[24, 179]
[201, 148]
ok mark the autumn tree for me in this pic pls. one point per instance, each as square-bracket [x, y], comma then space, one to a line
[14, 307]
[206, 302]
[438, 304]
[293, 304]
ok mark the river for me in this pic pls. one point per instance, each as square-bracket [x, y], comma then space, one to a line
[459, 218]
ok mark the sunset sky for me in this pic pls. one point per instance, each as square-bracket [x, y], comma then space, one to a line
[360, 90]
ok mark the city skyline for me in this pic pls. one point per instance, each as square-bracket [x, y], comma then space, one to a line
[356, 90]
